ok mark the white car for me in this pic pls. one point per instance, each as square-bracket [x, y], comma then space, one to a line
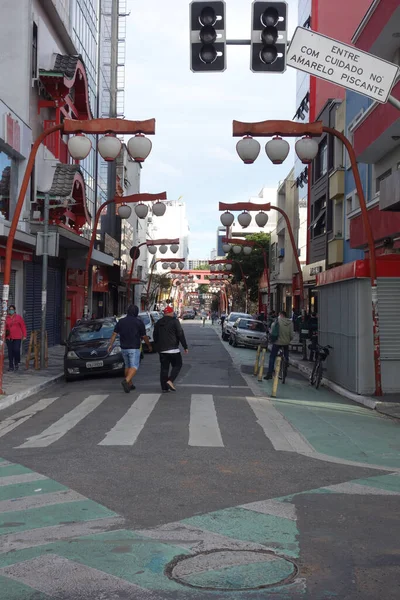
[229, 322]
[148, 323]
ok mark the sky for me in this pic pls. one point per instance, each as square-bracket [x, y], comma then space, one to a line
[194, 153]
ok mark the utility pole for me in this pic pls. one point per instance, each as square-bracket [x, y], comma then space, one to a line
[45, 263]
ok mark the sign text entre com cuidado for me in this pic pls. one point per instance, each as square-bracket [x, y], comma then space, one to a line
[342, 64]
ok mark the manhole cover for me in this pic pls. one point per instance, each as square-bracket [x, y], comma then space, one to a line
[232, 570]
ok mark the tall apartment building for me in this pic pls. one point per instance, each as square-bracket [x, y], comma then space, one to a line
[50, 71]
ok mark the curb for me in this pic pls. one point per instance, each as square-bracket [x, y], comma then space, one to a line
[11, 399]
[363, 400]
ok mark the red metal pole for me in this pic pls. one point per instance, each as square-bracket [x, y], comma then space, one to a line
[11, 237]
[372, 256]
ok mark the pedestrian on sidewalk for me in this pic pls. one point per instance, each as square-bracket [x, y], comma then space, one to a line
[281, 336]
[304, 328]
[131, 331]
[168, 334]
[15, 334]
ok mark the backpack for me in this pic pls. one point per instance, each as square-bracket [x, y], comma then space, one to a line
[274, 332]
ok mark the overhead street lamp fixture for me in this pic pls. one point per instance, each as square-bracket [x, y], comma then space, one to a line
[79, 148]
[162, 261]
[307, 150]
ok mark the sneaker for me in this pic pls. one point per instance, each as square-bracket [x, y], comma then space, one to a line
[133, 387]
[126, 386]
[165, 391]
[171, 386]
[11, 370]
[268, 376]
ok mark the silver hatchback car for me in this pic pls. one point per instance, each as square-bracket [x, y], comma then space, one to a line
[248, 332]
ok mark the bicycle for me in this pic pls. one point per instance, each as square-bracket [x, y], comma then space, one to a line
[283, 369]
[321, 354]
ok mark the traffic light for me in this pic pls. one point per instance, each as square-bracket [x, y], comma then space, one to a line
[269, 23]
[207, 36]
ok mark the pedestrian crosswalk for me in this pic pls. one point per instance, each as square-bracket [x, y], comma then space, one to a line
[200, 416]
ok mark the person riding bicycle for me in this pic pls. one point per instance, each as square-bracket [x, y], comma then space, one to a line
[281, 336]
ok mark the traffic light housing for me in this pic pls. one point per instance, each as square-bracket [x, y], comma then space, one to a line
[207, 36]
[269, 23]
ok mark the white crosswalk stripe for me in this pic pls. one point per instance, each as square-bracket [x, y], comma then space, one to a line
[128, 428]
[204, 427]
[63, 425]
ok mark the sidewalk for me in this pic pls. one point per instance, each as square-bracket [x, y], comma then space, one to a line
[25, 382]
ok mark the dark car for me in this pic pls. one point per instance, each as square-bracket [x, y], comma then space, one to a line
[86, 350]
[188, 315]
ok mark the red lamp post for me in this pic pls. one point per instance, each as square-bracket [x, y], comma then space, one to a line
[122, 200]
[230, 262]
[160, 260]
[68, 126]
[307, 149]
[148, 243]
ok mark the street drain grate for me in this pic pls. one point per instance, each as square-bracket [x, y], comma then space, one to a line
[232, 570]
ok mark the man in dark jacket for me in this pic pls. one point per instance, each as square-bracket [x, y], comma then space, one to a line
[168, 334]
[131, 331]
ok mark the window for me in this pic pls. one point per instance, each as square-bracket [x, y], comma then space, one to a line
[318, 224]
[6, 164]
[322, 160]
[381, 178]
[34, 69]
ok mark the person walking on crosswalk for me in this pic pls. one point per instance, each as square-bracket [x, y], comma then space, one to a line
[168, 334]
[131, 331]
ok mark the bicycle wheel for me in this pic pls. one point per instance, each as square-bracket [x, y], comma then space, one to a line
[318, 376]
[314, 373]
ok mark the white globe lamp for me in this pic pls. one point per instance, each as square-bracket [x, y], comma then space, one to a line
[306, 149]
[181, 265]
[152, 249]
[139, 147]
[79, 146]
[124, 211]
[248, 149]
[228, 267]
[227, 219]
[237, 249]
[244, 219]
[277, 150]
[174, 248]
[109, 147]
[261, 219]
[226, 248]
[163, 249]
[141, 210]
[173, 265]
[165, 266]
[247, 250]
[159, 209]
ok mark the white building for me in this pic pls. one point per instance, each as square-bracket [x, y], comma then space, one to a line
[173, 224]
[197, 263]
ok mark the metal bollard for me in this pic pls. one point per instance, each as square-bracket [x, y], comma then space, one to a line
[261, 365]
[255, 371]
[275, 378]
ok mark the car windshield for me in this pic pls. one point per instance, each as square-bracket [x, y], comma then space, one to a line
[251, 325]
[235, 316]
[92, 331]
[145, 319]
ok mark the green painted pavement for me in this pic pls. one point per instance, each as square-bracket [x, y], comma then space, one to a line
[250, 526]
[46, 516]
[382, 482]
[21, 490]
[13, 590]
[332, 424]
[8, 470]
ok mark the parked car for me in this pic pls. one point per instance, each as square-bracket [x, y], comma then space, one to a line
[189, 315]
[229, 321]
[86, 350]
[148, 323]
[156, 316]
[248, 332]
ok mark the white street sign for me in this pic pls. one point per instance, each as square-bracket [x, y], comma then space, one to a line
[342, 64]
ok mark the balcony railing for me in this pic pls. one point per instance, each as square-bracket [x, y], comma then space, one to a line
[390, 192]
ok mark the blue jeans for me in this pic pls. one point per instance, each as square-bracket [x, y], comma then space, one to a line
[131, 357]
[14, 353]
[274, 351]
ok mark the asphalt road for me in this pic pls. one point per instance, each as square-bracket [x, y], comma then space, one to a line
[204, 469]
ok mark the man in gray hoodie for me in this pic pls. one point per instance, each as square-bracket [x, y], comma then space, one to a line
[281, 336]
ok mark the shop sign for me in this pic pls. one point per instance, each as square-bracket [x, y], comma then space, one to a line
[315, 270]
[311, 271]
[111, 246]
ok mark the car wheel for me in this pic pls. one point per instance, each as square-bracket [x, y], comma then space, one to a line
[230, 341]
[234, 343]
[68, 378]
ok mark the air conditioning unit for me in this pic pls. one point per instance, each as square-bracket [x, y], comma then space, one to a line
[281, 253]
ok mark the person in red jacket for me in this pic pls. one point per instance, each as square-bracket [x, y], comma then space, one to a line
[15, 333]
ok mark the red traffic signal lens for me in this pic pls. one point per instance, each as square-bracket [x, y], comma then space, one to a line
[208, 16]
[270, 17]
[208, 54]
[269, 36]
[269, 54]
[208, 35]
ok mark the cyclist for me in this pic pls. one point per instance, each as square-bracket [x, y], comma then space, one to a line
[281, 336]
